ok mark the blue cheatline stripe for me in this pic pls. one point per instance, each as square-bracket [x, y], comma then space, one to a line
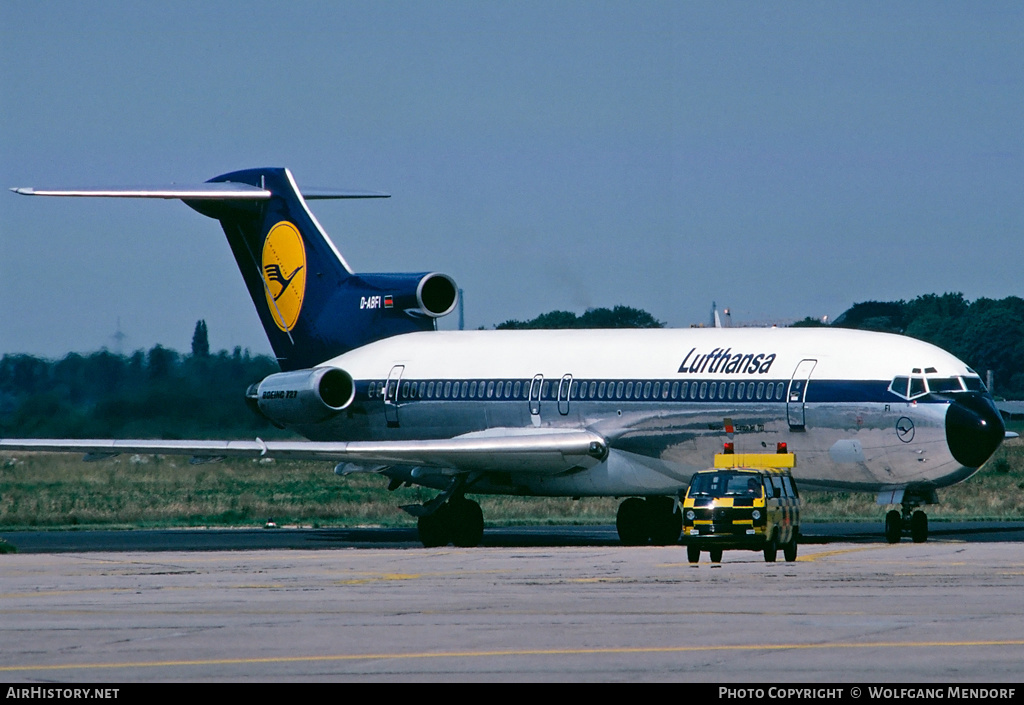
[638, 391]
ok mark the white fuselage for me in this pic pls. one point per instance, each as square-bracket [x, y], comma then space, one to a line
[665, 400]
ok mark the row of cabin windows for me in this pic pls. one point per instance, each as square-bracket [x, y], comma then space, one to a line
[609, 390]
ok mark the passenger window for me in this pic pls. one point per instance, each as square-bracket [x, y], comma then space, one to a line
[712, 390]
[490, 389]
[740, 389]
[780, 391]
[675, 390]
[592, 390]
[732, 388]
[647, 390]
[703, 389]
[465, 389]
[423, 390]
[618, 389]
[760, 389]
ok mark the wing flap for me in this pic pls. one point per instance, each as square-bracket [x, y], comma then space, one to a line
[544, 453]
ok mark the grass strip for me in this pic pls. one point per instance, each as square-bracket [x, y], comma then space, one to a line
[43, 490]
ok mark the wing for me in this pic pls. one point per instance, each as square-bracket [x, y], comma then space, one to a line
[505, 450]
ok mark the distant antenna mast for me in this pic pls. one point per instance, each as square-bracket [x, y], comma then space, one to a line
[118, 338]
[462, 318]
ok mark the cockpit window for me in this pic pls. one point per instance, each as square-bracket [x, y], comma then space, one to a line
[917, 386]
[944, 385]
[908, 387]
[974, 384]
[899, 386]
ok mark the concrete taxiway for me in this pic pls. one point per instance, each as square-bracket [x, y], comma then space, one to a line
[863, 613]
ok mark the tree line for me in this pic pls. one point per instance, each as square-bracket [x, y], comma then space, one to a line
[156, 394]
[987, 334]
[161, 393]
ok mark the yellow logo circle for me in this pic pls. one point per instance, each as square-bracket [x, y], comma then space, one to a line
[284, 274]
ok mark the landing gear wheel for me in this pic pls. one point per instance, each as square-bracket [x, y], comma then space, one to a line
[434, 530]
[789, 550]
[693, 554]
[919, 527]
[466, 522]
[631, 522]
[771, 550]
[664, 520]
[893, 527]
[716, 555]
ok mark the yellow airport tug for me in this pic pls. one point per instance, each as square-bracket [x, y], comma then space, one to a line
[748, 501]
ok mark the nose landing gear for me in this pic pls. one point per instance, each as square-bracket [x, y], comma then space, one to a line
[911, 520]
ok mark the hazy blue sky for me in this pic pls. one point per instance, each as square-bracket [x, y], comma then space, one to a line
[782, 159]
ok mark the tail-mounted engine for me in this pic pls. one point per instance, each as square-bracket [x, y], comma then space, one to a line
[302, 396]
[432, 295]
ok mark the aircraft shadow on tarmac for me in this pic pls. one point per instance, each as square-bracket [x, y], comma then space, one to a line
[498, 537]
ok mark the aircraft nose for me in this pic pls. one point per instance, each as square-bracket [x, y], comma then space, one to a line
[974, 429]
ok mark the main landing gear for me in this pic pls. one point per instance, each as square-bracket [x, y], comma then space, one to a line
[458, 521]
[654, 520]
[449, 518]
[911, 520]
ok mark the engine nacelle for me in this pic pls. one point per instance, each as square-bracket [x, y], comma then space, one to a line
[303, 396]
[437, 295]
[433, 294]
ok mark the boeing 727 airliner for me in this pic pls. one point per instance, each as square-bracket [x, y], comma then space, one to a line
[373, 387]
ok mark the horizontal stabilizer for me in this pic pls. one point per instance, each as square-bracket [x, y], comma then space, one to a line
[210, 191]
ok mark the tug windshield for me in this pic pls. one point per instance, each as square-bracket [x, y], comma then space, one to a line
[725, 484]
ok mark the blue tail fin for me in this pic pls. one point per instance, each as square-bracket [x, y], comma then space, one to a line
[312, 306]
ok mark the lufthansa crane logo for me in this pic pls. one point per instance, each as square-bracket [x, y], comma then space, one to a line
[284, 274]
[905, 429]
